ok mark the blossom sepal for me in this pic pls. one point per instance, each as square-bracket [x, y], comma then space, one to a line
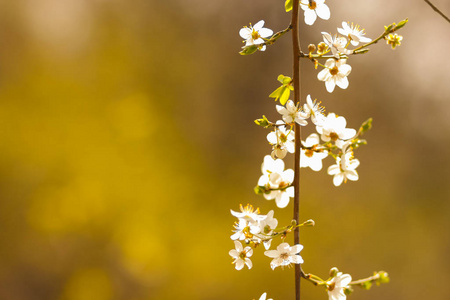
[247, 50]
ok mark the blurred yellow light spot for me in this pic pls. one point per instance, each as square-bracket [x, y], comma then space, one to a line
[88, 284]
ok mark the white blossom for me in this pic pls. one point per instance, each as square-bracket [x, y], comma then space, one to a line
[354, 34]
[285, 255]
[255, 35]
[314, 110]
[291, 113]
[248, 213]
[313, 9]
[334, 129]
[335, 73]
[241, 256]
[282, 141]
[311, 157]
[248, 224]
[336, 44]
[345, 166]
[267, 227]
[336, 286]
[275, 177]
[263, 297]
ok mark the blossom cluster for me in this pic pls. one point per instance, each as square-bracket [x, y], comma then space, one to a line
[332, 135]
[254, 228]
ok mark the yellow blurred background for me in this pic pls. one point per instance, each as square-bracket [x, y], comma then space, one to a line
[127, 135]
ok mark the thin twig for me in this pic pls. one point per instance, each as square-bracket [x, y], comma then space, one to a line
[437, 10]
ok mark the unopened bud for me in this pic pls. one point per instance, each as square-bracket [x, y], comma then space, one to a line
[321, 47]
[311, 48]
[384, 277]
[333, 272]
[309, 223]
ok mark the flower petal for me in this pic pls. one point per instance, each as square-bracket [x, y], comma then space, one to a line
[310, 16]
[323, 11]
[338, 179]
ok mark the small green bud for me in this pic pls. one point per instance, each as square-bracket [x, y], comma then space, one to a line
[384, 277]
[249, 50]
[293, 223]
[264, 122]
[401, 24]
[366, 285]
[311, 48]
[389, 28]
[333, 272]
[310, 223]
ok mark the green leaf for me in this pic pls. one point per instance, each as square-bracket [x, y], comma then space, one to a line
[249, 50]
[367, 125]
[287, 80]
[285, 95]
[288, 5]
[277, 93]
[280, 78]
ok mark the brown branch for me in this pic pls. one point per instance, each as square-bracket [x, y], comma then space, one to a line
[437, 10]
[296, 82]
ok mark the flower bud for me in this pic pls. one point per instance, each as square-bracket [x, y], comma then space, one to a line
[321, 47]
[384, 277]
[264, 122]
[311, 48]
[310, 223]
[333, 272]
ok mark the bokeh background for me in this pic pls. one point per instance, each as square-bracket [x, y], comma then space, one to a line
[127, 135]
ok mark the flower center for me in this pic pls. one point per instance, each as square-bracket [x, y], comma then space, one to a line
[334, 136]
[247, 233]
[309, 152]
[334, 70]
[284, 256]
[255, 34]
[283, 138]
[283, 184]
[243, 255]
[312, 5]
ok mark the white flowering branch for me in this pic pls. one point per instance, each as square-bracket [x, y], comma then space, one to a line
[296, 50]
[333, 139]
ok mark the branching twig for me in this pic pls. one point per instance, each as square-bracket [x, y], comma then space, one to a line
[437, 10]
